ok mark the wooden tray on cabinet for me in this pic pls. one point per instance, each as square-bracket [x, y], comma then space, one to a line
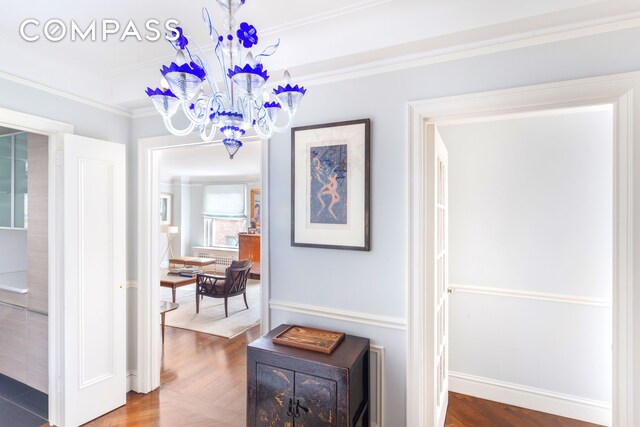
[307, 338]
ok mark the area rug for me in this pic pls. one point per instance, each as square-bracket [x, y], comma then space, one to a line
[211, 318]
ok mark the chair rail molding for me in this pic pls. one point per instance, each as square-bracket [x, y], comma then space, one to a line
[531, 295]
[344, 315]
[617, 90]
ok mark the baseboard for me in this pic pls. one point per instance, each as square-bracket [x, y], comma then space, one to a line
[132, 381]
[531, 398]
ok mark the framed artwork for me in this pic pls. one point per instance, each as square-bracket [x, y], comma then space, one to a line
[256, 206]
[166, 204]
[330, 185]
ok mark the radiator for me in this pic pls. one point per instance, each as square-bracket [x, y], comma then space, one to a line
[223, 257]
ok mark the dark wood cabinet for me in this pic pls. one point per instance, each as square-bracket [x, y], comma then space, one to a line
[294, 387]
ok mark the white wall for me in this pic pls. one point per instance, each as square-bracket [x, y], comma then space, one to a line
[530, 210]
[373, 285]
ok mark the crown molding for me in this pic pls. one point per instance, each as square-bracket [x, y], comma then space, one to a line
[458, 52]
[454, 53]
[274, 30]
[67, 95]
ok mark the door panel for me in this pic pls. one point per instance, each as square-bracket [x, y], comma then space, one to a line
[316, 400]
[274, 396]
[95, 275]
[437, 263]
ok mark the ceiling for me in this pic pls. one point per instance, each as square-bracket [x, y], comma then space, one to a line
[211, 161]
[317, 36]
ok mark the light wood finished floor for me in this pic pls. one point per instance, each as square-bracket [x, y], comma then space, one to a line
[204, 384]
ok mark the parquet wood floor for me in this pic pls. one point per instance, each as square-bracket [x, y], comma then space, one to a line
[204, 384]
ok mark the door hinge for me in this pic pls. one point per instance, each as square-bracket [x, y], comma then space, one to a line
[59, 157]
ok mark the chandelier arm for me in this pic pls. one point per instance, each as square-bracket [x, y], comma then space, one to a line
[262, 134]
[210, 137]
[218, 49]
[169, 125]
[192, 116]
[282, 128]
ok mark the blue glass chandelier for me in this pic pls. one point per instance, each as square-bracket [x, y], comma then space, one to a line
[243, 103]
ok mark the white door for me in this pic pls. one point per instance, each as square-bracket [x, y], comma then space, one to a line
[95, 274]
[437, 277]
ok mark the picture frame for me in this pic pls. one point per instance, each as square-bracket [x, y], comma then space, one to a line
[331, 185]
[256, 206]
[166, 208]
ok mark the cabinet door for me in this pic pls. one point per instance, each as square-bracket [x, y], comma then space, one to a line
[316, 401]
[274, 393]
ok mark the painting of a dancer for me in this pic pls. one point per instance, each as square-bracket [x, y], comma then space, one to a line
[330, 186]
[328, 180]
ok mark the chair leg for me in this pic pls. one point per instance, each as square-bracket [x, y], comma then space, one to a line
[245, 299]
[197, 304]
[226, 313]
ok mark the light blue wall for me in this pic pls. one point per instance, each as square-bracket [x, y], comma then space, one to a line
[373, 282]
[376, 282]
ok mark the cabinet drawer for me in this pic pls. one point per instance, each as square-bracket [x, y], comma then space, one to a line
[13, 335]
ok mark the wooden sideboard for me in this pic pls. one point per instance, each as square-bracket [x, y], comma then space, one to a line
[290, 386]
[249, 247]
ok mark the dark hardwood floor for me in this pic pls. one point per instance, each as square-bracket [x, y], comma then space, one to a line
[204, 384]
[467, 411]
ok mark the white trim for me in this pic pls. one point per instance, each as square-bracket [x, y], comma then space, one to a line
[63, 94]
[265, 277]
[344, 315]
[267, 32]
[538, 296]
[616, 90]
[452, 53]
[458, 52]
[132, 380]
[148, 343]
[55, 131]
[380, 374]
[551, 402]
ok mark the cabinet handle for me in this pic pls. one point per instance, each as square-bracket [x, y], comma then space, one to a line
[298, 407]
[290, 410]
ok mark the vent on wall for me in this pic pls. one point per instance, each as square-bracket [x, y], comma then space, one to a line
[223, 257]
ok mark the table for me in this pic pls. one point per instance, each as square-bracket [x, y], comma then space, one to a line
[174, 281]
[165, 307]
[191, 260]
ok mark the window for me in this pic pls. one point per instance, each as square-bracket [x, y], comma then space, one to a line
[13, 181]
[224, 214]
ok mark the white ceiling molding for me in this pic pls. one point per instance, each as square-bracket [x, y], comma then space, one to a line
[314, 19]
[67, 95]
[415, 54]
[452, 54]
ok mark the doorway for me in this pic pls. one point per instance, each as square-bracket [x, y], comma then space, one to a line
[210, 209]
[530, 260]
[422, 371]
[218, 246]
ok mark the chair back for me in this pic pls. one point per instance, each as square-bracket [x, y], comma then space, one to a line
[237, 275]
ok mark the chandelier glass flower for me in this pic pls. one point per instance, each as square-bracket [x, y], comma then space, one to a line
[242, 103]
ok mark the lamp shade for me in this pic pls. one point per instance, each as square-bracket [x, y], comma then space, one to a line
[169, 229]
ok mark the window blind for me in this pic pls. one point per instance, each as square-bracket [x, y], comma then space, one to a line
[225, 201]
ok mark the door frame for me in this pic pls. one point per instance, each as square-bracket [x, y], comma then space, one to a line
[55, 131]
[617, 90]
[148, 312]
